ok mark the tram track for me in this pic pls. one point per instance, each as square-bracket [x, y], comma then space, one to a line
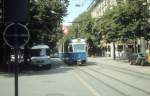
[119, 81]
[104, 83]
[126, 71]
[121, 70]
[89, 70]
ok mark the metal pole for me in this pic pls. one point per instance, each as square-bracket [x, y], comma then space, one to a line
[16, 64]
[16, 72]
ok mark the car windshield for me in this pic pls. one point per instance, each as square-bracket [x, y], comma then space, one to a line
[36, 52]
[40, 52]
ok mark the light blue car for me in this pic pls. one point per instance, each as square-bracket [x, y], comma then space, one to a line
[40, 56]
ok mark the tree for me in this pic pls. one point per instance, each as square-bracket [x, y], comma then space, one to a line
[86, 26]
[124, 20]
[84, 23]
[46, 16]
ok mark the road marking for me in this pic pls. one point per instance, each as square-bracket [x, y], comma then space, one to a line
[92, 90]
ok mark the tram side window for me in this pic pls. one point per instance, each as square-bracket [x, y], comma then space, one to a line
[70, 49]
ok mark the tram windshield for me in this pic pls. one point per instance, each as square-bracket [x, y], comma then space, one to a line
[79, 47]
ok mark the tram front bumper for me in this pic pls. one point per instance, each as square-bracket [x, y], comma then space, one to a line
[79, 62]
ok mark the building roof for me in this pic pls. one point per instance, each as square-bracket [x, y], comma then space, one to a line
[93, 4]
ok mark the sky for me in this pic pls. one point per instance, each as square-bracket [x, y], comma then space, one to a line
[74, 11]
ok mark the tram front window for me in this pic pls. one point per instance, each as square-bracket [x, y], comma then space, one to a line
[79, 47]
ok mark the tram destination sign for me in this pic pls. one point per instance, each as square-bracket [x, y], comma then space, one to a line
[16, 35]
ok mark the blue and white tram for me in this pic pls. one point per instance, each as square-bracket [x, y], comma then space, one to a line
[74, 51]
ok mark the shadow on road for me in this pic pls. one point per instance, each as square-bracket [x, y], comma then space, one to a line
[57, 66]
[90, 63]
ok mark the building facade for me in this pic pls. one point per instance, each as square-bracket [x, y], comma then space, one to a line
[98, 7]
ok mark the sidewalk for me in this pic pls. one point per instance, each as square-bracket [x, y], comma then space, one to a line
[121, 63]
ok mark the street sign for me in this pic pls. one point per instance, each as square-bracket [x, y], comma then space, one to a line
[16, 35]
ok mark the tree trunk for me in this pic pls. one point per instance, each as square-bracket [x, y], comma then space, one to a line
[114, 51]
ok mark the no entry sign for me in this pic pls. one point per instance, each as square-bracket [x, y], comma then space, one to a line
[16, 35]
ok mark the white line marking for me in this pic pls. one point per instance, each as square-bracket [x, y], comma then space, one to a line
[92, 90]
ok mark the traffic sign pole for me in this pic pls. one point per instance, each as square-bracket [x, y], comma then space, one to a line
[16, 72]
[16, 35]
[16, 64]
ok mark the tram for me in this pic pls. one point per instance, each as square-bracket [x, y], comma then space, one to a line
[73, 51]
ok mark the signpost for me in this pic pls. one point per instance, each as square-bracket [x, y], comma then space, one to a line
[16, 35]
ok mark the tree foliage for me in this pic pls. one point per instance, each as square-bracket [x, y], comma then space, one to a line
[46, 16]
[84, 24]
[127, 20]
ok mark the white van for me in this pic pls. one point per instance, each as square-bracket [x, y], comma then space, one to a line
[40, 55]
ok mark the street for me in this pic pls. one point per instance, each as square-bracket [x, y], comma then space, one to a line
[100, 77]
[35, 34]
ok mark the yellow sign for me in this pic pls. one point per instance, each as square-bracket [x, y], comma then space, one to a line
[148, 57]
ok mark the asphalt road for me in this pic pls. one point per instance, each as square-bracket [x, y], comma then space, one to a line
[100, 77]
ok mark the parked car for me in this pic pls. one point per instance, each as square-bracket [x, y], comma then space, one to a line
[137, 59]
